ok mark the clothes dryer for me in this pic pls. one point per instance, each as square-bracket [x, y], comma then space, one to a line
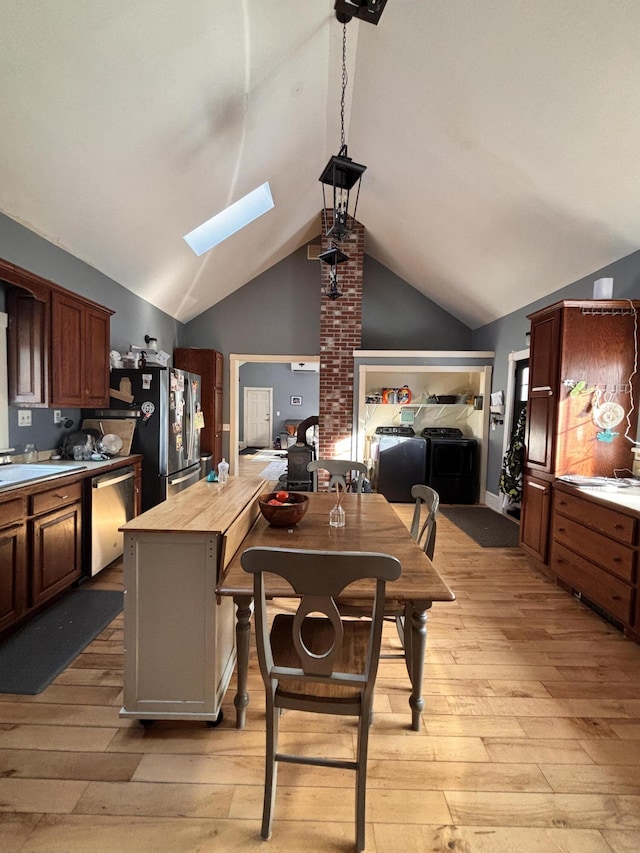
[451, 464]
[401, 462]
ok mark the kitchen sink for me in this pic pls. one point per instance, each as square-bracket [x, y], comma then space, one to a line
[16, 473]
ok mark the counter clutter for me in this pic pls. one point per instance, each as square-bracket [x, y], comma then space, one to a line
[17, 474]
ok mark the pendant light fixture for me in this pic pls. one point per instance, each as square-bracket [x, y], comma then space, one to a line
[341, 174]
[333, 256]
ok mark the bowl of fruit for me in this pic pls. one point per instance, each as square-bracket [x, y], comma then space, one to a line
[282, 508]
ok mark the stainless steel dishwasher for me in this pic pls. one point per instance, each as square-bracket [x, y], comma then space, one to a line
[112, 505]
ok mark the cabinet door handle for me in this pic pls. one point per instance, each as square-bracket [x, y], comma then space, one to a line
[618, 526]
[617, 559]
[546, 388]
[62, 497]
[561, 530]
[562, 503]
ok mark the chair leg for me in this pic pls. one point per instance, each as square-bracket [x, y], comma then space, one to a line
[361, 775]
[271, 767]
[400, 629]
[408, 648]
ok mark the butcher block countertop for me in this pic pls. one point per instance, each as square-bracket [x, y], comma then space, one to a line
[202, 508]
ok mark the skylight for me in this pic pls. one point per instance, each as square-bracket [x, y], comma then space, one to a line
[230, 220]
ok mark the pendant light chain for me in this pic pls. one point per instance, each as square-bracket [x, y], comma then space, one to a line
[344, 82]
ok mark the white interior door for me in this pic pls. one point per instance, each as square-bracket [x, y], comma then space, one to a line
[258, 404]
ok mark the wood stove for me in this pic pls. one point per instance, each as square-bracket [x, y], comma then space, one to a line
[298, 457]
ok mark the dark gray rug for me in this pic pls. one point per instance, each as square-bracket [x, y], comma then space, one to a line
[32, 657]
[488, 528]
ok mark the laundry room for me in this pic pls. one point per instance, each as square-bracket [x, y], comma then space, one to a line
[421, 423]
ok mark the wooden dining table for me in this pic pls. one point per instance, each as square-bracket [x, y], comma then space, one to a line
[371, 525]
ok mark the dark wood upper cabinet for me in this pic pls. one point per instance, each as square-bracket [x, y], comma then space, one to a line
[590, 342]
[572, 342]
[28, 347]
[58, 344]
[209, 364]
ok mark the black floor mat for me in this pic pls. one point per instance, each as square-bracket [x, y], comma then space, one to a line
[36, 653]
[488, 528]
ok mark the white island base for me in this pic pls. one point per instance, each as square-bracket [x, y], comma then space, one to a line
[180, 646]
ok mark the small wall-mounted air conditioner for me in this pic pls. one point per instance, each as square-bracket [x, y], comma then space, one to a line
[305, 366]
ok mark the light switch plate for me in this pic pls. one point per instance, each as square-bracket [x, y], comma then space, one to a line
[24, 417]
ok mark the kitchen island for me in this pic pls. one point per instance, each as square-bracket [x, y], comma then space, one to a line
[180, 647]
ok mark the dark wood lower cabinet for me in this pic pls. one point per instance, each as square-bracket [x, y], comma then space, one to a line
[57, 552]
[595, 551]
[42, 552]
[13, 574]
[536, 512]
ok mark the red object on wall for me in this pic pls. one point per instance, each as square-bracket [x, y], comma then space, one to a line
[340, 335]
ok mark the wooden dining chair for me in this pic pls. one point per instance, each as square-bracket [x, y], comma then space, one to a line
[324, 664]
[338, 470]
[423, 531]
[424, 522]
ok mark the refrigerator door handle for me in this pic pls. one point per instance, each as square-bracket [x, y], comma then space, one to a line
[192, 430]
[174, 482]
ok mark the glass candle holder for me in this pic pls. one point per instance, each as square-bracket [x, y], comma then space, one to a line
[336, 516]
[30, 453]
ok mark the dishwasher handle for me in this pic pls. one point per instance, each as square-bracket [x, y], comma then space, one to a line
[103, 484]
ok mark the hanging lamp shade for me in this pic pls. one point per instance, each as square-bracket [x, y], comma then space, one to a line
[342, 175]
[333, 256]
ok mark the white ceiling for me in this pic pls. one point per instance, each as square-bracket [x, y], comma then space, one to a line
[502, 138]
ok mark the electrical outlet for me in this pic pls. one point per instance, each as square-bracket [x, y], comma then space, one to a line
[57, 416]
[24, 417]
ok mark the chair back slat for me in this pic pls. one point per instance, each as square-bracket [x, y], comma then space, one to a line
[423, 529]
[338, 470]
[318, 577]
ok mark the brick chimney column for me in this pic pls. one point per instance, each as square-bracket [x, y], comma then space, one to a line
[340, 335]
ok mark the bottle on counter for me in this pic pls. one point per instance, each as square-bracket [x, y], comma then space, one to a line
[223, 471]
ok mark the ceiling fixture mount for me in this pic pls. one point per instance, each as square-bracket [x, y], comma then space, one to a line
[341, 173]
[365, 10]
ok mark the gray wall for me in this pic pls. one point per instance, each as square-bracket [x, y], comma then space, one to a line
[134, 317]
[279, 313]
[397, 316]
[510, 334]
[285, 383]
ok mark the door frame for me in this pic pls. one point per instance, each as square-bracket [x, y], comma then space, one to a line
[514, 357]
[236, 360]
[270, 419]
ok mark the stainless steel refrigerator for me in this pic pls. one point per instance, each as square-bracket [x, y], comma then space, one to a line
[167, 409]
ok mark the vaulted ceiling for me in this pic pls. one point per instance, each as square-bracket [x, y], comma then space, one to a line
[502, 138]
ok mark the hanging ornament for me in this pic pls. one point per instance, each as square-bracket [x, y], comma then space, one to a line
[607, 416]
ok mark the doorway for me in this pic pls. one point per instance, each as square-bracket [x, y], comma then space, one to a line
[235, 363]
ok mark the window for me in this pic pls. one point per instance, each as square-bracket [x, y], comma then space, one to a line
[230, 220]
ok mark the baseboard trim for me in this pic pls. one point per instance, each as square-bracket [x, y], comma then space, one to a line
[493, 501]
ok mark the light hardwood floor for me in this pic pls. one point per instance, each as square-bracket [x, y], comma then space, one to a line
[530, 742]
